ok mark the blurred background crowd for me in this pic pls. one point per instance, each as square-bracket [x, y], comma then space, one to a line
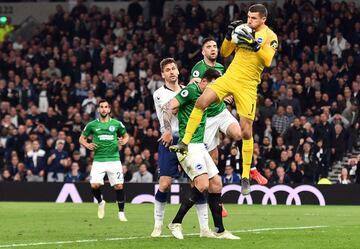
[307, 117]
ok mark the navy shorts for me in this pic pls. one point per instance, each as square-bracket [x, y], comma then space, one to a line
[168, 162]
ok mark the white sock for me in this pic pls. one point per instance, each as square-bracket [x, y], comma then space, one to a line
[159, 211]
[203, 217]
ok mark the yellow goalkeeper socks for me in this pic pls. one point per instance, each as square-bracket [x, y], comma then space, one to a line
[192, 124]
[247, 153]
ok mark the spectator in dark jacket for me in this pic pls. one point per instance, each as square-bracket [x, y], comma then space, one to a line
[294, 174]
[57, 162]
[230, 176]
[35, 163]
[294, 133]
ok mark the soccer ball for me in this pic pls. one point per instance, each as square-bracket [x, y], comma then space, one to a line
[238, 30]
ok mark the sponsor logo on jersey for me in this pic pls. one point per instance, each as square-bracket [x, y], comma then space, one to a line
[106, 137]
[97, 129]
[274, 44]
[112, 128]
[196, 73]
[259, 40]
[184, 93]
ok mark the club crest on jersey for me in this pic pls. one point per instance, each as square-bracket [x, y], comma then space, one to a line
[259, 40]
[196, 73]
[111, 128]
[198, 166]
[184, 93]
[274, 44]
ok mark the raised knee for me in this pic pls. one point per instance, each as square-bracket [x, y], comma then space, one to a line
[246, 134]
[237, 136]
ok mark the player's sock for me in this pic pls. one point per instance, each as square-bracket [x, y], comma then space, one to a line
[192, 124]
[159, 207]
[202, 213]
[97, 194]
[214, 200]
[195, 194]
[120, 198]
[247, 153]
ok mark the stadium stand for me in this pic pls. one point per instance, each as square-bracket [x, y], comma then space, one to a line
[307, 119]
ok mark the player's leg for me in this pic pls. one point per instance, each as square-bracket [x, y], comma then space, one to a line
[202, 212]
[212, 139]
[168, 168]
[120, 199]
[213, 93]
[214, 199]
[159, 204]
[201, 184]
[97, 174]
[194, 167]
[245, 100]
[116, 179]
[247, 153]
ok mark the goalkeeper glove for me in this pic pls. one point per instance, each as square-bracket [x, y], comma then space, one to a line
[247, 38]
[230, 29]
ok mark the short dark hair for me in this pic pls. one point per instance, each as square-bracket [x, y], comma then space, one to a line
[211, 74]
[103, 101]
[206, 40]
[165, 62]
[259, 8]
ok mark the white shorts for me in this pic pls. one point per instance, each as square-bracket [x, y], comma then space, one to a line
[113, 170]
[197, 162]
[213, 124]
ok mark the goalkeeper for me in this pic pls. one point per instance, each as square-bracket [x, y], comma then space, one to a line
[252, 54]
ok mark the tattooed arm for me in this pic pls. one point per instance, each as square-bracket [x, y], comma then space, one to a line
[169, 109]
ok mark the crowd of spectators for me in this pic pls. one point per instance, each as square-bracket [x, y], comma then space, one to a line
[308, 106]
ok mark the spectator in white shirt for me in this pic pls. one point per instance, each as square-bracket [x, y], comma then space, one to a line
[120, 63]
[338, 44]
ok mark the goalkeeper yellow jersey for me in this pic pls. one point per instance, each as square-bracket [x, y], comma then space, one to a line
[247, 65]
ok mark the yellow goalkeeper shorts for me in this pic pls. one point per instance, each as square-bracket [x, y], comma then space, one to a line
[244, 95]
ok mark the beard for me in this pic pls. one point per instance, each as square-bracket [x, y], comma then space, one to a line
[104, 115]
[212, 58]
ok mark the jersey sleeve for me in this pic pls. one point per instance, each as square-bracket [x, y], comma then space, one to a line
[227, 47]
[196, 72]
[269, 48]
[121, 130]
[87, 130]
[186, 95]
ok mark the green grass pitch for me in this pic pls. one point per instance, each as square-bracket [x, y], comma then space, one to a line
[51, 225]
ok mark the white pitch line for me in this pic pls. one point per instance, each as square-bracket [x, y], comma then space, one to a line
[148, 237]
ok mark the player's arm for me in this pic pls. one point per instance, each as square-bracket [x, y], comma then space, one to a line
[122, 140]
[169, 109]
[83, 142]
[123, 136]
[227, 47]
[83, 138]
[267, 52]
